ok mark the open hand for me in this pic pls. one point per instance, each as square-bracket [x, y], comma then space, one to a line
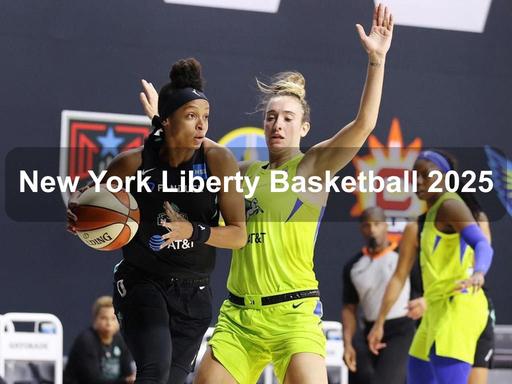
[149, 99]
[179, 227]
[475, 282]
[377, 43]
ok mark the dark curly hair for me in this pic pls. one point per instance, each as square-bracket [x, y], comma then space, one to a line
[185, 73]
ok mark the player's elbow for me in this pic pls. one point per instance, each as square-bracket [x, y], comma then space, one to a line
[365, 123]
[239, 237]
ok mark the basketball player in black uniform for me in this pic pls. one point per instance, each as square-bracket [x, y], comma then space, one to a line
[161, 295]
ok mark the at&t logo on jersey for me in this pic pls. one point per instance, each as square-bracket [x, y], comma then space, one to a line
[256, 238]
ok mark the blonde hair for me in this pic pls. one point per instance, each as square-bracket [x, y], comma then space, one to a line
[285, 84]
[101, 302]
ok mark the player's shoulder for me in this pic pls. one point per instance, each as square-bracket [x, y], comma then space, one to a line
[455, 209]
[245, 165]
[127, 162]
[216, 151]
[220, 159]
[452, 203]
[130, 156]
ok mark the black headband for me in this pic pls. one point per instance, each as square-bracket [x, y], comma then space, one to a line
[176, 98]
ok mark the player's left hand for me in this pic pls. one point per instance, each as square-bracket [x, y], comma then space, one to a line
[179, 227]
[416, 308]
[475, 282]
[377, 43]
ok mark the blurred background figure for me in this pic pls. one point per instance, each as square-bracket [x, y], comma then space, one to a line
[365, 278]
[99, 354]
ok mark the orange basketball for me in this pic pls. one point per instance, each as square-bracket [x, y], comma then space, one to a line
[106, 220]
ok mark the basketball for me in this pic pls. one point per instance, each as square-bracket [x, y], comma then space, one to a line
[106, 220]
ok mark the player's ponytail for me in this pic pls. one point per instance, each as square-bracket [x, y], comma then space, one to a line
[285, 84]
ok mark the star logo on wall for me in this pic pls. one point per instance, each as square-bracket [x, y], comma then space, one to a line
[110, 143]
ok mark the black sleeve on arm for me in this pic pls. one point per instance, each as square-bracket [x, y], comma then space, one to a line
[85, 357]
[350, 295]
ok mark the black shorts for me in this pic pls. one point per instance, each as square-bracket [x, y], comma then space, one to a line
[485, 346]
[163, 321]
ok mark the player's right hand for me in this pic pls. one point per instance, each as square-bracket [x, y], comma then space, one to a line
[72, 204]
[375, 338]
[71, 217]
[149, 99]
[349, 357]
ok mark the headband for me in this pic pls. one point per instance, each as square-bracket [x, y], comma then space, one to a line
[437, 159]
[176, 98]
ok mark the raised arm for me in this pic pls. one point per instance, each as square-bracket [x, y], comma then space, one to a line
[334, 153]
[408, 252]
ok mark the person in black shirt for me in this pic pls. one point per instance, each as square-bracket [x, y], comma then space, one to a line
[99, 354]
[162, 295]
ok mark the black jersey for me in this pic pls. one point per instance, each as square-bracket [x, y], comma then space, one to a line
[183, 258]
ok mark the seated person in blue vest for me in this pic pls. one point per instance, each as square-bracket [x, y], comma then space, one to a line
[99, 354]
[365, 278]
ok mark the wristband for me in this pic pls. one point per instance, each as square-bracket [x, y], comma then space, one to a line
[200, 232]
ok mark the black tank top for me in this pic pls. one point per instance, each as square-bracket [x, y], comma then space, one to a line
[184, 258]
